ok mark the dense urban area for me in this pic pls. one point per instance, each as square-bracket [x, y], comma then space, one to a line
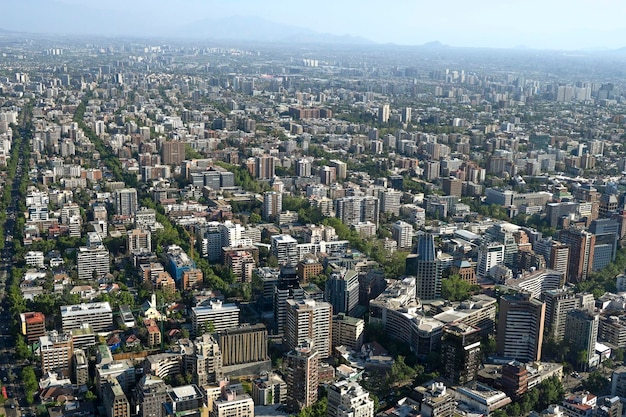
[193, 229]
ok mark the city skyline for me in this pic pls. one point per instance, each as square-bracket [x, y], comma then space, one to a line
[491, 24]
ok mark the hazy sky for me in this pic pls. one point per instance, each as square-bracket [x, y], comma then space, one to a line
[560, 24]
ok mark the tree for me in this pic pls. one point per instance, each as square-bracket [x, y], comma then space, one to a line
[596, 383]
[90, 396]
[454, 288]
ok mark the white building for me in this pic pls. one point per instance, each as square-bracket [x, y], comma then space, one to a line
[221, 316]
[34, 258]
[98, 315]
[349, 399]
[402, 233]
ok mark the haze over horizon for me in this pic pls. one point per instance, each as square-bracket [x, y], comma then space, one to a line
[558, 24]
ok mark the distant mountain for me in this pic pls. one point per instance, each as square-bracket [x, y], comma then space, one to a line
[245, 28]
[434, 45]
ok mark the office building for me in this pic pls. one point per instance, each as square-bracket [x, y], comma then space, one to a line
[431, 170]
[98, 315]
[243, 344]
[581, 244]
[348, 398]
[56, 351]
[348, 331]
[402, 233]
[114, 400]
[33, 325]
[126, 201]
[308, 320]
[173, 152]
[342, 290]
[460, 352]
[302, 365]
[556, 255]
[520, 327]
[92, 263]
[178, 262]
[426, 267]
[581, 334]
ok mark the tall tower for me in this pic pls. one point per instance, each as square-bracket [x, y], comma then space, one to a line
[581, 333]
[342, 291]
[426, 267]
[581, 243]
[460, 351]
[126, 201]
[520, 327]
[384, 112]
[272, 204]
[309, 320]
[302, 376]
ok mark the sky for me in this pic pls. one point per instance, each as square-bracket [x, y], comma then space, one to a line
[541, 24]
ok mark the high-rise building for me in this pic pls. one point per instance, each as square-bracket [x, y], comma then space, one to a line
[348, 331]
[431, 170]
[460, 352]
[244, 344]
[272, 204]
[216, 316]
[520, 327]
[342, 290]
[206, 360]
[126, 202]
[302, 377]
[56, 350]
[92, 262]
[139, 241]
[559, 302]
[384, 112]
[452, 186]
[114, 400]
[149, 396]
[390, 201]
[265, 167]
[80, 367]
[427, 268]
[347, 398]
[581, 244]
[285, 249]
[581, 334]
[173, 152]
[98, 315]
[402, 233]
[341, 168]
[352, 210]
[303, 167]
[309, 320]
[489, 255]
